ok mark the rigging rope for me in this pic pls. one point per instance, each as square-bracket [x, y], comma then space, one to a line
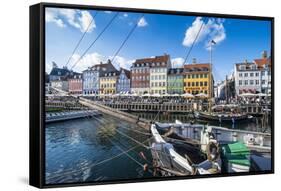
[82, 37]
[193, 43]
[104, 29]
[98, 163]
[127, 37]
[136, 131]
[136, 141]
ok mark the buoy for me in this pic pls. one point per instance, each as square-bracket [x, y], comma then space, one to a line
[142, 155]
[145, 167]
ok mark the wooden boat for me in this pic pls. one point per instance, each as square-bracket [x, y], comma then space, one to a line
[238, 147]
[171, 162]
[223, 117]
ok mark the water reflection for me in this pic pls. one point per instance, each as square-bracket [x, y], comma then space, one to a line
[75, 148]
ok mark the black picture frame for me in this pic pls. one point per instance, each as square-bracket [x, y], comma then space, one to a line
[37, 92]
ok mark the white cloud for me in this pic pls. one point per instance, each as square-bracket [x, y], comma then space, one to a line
[142, 22]
[76, 18]
[177, 62]
[213, 29]
[122, 62]
[51, 16]
[87, 61]
[95, 58]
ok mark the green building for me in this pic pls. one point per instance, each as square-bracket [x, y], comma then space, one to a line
[175, 81]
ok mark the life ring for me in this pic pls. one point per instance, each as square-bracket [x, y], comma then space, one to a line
[212, 151]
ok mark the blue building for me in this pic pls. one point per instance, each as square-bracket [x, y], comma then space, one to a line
[124, 81]
[91, 77]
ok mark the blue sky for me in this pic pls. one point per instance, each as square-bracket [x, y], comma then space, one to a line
[156, 34]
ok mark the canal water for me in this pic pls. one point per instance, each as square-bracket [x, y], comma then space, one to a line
[86, 150]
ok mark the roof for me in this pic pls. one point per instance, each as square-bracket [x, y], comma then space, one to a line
[165, 58]
[262, 62]
[174, 71]
[197, 67]
[59, 72]
[127, 72]
[63, 73]
[103, 68]
[110, 74]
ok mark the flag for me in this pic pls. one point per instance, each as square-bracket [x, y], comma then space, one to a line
[213, 42]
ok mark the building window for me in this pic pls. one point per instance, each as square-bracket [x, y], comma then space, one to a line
[205, 75]
[251, 82]
[192, 84]
[197, 83]
[257, 82]
[263, 82]
[201, 83]
[257, 74]
[205, 83]
[240, 82]
[246, 75]
[246, 82]
[251, 74]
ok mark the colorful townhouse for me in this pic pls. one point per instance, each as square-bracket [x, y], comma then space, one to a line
[91, 77]
[198, 78]
[175, 81]
[149, 75]
[124, 81]
[253, 77]
[75, 84]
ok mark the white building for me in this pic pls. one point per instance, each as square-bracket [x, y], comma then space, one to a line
[264, 64]
[247, 78]
[253, 77]
[158, 79]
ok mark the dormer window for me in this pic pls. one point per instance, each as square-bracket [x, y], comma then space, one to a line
[254, 67]
[242, 67]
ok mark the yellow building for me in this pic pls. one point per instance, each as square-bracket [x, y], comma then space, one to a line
[198, 78]
[108, 82]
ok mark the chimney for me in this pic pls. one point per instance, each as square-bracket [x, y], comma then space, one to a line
[264, 54]
[194, 61]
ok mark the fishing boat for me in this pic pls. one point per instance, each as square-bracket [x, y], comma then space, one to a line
[223, 117]
[170, 162]
[240, 150]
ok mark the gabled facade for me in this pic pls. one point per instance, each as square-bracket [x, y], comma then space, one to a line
[149, 75]
[253, 77]
[75, 84]
[198, 78]
[175, 81]
[91, 77]
[124, 81]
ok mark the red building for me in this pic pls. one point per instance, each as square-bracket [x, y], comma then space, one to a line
[75, 84]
